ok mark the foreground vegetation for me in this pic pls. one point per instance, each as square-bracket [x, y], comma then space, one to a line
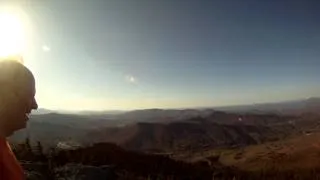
[108, 161]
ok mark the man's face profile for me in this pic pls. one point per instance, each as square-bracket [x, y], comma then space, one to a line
[17, 97]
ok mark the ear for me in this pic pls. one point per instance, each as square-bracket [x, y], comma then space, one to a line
[8, 99]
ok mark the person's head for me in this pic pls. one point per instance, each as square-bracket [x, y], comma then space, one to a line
[17, 96]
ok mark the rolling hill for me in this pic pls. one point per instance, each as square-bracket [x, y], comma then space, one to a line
[191, 134]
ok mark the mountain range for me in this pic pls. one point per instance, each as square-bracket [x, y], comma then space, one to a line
[172, 128]
[308, 105]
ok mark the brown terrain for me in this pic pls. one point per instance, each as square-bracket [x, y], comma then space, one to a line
[244, 145]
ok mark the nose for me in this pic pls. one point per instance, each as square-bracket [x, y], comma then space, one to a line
[34, 104]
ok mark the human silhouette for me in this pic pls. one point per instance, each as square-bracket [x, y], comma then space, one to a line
[17, 100]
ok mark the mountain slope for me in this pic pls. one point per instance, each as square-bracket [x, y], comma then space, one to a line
[300, 152]
[192, 134]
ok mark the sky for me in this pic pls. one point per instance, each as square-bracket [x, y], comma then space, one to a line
[112, 54]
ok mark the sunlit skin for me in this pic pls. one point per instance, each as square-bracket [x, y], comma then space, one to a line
[17, 97]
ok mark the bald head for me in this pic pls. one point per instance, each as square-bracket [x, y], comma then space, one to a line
[17, 91]
[14, 75]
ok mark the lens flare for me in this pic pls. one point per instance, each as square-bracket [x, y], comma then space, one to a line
[12, 35]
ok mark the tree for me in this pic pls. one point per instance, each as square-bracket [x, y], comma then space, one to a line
[27, 145]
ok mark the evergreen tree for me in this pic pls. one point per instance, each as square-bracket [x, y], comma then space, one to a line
[27, 145]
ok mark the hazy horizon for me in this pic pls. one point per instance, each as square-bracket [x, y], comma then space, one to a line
[176, 108]
[112, 55]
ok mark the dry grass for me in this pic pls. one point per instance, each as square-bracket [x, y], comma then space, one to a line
[301, 152]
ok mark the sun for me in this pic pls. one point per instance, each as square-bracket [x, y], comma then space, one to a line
[12, 35]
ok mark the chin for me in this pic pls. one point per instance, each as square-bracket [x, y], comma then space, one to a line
[17, 130]
[21, 126]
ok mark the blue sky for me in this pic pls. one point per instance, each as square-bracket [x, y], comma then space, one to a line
[103, 54]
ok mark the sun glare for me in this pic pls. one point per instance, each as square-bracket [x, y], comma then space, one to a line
[12, 35]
